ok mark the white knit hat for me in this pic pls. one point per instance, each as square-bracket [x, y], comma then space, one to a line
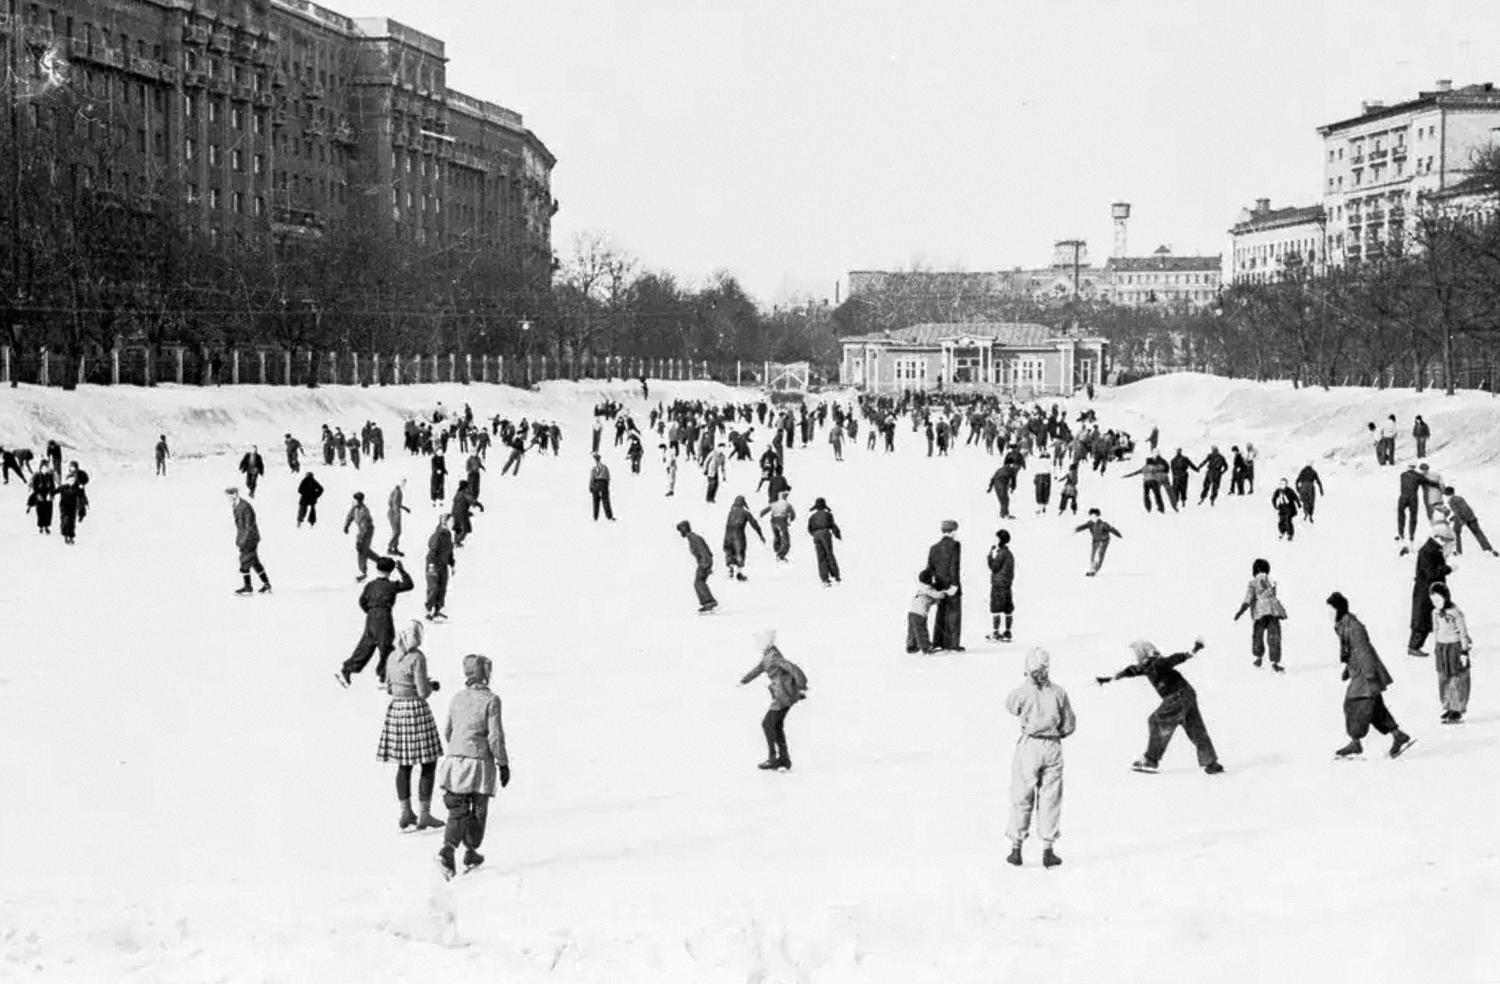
[764, 639]
[1038, 659]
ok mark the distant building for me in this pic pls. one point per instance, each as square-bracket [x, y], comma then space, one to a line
[1165, 280]
[1266, 243]
[1376, 164]
[1022, 359]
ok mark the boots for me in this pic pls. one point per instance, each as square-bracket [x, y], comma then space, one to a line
[1014, 857]
[1350, 750]
[472, 859]
[1050, 859]
[1400, 742]
[445, 862]
[408, 818]
[427, 821]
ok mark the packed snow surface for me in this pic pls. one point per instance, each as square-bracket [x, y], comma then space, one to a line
[191, 797]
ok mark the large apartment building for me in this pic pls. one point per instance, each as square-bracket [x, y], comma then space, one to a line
[1266, 244]
[1377, 164]
[277, 118]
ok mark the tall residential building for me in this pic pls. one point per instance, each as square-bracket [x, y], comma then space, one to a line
[277, 118]
[1268, 243]
[1376, 164]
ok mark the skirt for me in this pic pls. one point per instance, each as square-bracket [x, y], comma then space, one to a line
[410, 735]
[1446, 659]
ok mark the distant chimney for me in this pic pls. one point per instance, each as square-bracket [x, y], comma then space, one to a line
[1371, 104]
[1263, 204]
[1445, 85]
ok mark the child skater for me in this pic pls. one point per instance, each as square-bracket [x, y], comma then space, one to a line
[1179, 705]
[788, 685]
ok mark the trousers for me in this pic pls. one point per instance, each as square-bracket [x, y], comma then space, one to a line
[917, 640]
[467, 815]
[1406, 518]
[774, 727]
[1266, 629]
[1362, 713]
[1458, 535]
[700, 586]
[437, 587]
[380, 633]
[828, 565]
[307, 511]
[781, 539]
[1179, 709]
[1036, 788]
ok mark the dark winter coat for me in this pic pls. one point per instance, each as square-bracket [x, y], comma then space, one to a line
[252, 464]
[1160, 671]
[1181, 464]
[1411, 480]
[788, 683]
[309, 490]
[734, 526]
[943, 559]
[1363, 669]
[1432, 567]
[1002, 564]
[1285, 502]
[1308, 477]
[822, 519]
[440, 548]
[379, 596]
[1215, 463]
[246, 530]
[698, 547]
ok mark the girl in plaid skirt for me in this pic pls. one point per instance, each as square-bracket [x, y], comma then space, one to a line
[410, 736]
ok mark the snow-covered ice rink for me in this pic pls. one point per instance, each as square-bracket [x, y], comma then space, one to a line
[191, 797]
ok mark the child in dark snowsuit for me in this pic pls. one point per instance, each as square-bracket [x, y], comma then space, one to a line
[1099, 534]
[1179, 705]
[1286, 504]
[788, 685]
[376, 601]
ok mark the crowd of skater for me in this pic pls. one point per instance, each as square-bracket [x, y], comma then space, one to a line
[466, 759]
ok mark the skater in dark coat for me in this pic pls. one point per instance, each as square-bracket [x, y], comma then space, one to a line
[944, 558]
[1214, 466]
[43, 488]
[364, 533]
[1179, 705]
[1462, 518]
[377, 601]
[1001, 483]
[440, 567]
[1002, 565]
[821, 525]
[247, 540]
[788, 685]
[1364, 700]
[1432, 568]
[253, 467]
[1286, 504]
[1099, 533]
[1043, 482]
[1266, 613]
[463, 505]
[410, 735]
[476, 762]
[472, 468]
[1421, 433]
[308, 493]
[1309, 487]
[1179, 466]
[162, 454]
[72, 502]
[293, 453]
[438, 486]
[54, 455]
[395, 506]
[703, 559]
[1411, 481]
[734, 537]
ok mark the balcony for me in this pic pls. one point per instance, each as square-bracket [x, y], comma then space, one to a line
[143, 66]
[195, 34]
[219, 41]
[242, 93]
[1379, 154]
[1375, 216]
[168, 74]
[113, 57]
[315, 91]
[1398, 152]
[278, 118]
[264, 99]
[194, 80]
[219, 86]
[278, 79]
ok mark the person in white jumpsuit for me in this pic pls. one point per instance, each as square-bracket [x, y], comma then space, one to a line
[1036, 783]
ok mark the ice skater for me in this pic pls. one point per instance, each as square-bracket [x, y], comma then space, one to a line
[1178, 707]
[1431, 567]
[1364, 700]
[703, 559]
[1450, 654]
[1309, 487]
[309, 491]
[1286, 504]
[1266, 613]
[929, 592]
[824, 530]
[409, 736]
[438, 479]
[1099, 533]
[1002, 565]
[1462, 517]
[735, 539]
[788, 685]
[43, 488]
[395, 507]
[945, 560]
[476, 762]
[782, 516]
[377, 601]
[440, 567]
[599, 489]
[247, 540]
[1036, 770]
[72, 503]
[364, 533]
[162, 454]
[253, 467]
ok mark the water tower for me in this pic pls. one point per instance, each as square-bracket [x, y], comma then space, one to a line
[1120, 212]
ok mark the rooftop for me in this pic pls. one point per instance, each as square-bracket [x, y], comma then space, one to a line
[1258, 219]
[1165, 261]
[1018, 335]
[1479, 95]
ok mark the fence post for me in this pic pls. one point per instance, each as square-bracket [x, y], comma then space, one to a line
[260, 357]
[544, 367]
[452, 367]
[435, 377]
[82, 367]
[234, 366]
[5, 352]
[308, 363]
[705, 368]
[114, 367]
[286, 368]
[179, 365]
[468, 368]
[500, 369]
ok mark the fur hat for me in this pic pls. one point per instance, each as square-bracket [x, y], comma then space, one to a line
[1038, 660]
[477, 669]
[948, 526]
[1003, 536]
[1339, 604]
[820, 503]
[359, 497]
[684, 527]
[764, 638]
[1143, 650]
[384, 565]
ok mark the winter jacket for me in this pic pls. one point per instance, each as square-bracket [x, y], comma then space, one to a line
[1432, 567]
[252, 464]
[1215, 463]
[698, 547]
[1099, 531]
[822, 519]
[1002, 564]
[309, 490]
[407, 676]
[781, 511]
[1411, 480]
[1459, 507]
[395, 506]
[739, 518]
[246, 530]
[1045, 711]
[379, 596]
[359, 517]
[1363, 669]
[1285, 501]
[440, 548]
[776, 485]
[476, 743]
[1260, 599]
[1308, 477]
[788, 684]
[1153, 471]
[1448, 625]
[1160, 671]
[1420, 429]
[925, 598]
[944, 559]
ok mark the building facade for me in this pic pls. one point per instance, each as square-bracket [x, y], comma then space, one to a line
[1268, 243]
[1378, 164]
[277, 118]
[1164, 280]
[1025, 360]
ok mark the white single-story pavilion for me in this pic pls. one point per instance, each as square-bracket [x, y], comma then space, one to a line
[1021, 359]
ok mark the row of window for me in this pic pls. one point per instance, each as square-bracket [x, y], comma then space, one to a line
[1167, 278]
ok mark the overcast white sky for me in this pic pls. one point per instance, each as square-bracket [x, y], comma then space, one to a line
[790, 141]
